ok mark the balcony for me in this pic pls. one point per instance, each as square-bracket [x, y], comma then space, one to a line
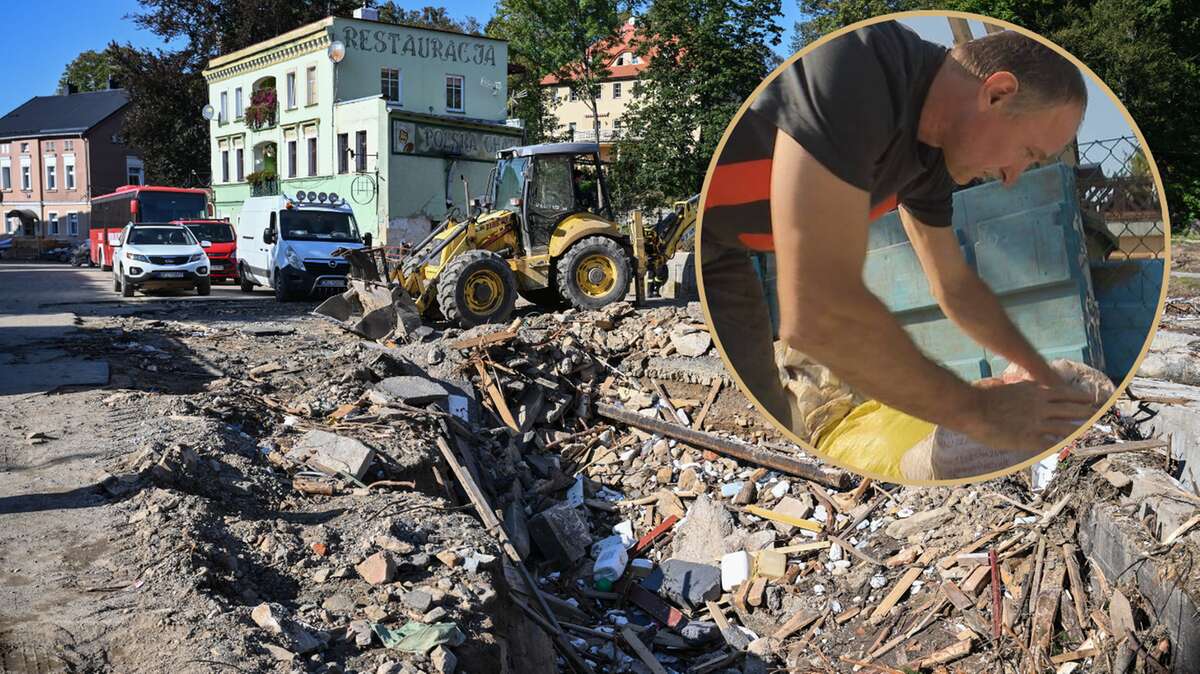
[589, 136]
[262, 113]
[263, 184]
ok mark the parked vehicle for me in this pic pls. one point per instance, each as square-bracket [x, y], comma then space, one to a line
[132, 204]
[82, 255]
[288, 243]
[156, 256]
[219, 242]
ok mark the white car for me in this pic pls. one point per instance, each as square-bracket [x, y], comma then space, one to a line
[154, 256]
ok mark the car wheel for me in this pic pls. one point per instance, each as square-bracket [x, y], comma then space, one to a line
[204, 287]
[280, 288]
[127, 288]
[244, 283]
[116, 282]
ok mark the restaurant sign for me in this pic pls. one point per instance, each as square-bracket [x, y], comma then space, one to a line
[414, 138]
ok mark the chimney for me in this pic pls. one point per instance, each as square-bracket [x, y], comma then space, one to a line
[113, 82]
[368, 13]
[68, 89]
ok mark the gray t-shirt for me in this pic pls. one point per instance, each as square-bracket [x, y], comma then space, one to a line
[854, 104]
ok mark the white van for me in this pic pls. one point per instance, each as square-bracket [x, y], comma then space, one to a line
[286, 243]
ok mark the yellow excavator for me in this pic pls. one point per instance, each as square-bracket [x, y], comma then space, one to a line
[545, 231]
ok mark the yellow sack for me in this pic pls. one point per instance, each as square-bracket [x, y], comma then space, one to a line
[873, 438]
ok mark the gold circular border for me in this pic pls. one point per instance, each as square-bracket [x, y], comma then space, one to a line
[1158, 184]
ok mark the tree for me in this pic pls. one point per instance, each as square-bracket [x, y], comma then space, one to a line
[428, 17]
[88, 72]
[1145, 52]
[704, 58]
[565, 38]
[161, 123]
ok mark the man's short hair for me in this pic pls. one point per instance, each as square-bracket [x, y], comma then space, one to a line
[1045, 78]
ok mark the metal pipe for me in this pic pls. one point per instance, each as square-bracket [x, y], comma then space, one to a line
[737, 450]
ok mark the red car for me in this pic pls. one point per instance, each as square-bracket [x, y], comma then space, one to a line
[220, 244]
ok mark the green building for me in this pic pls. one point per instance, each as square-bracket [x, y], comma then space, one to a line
[391, 117]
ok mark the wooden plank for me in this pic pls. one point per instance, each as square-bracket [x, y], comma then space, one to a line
[898, 591]
[810, 525]
[1078, 596]
[647, 540]
[956, 650]
[975, 580]
[1120, 615]
[496, 396]
[847, 615]
[855, 551]
[484, 340]
[717, 614]
[949, 561]
[1121, 448]
[1072, 656]
[712, 396]
[642, 652]
[1045, 610]
[798, 621]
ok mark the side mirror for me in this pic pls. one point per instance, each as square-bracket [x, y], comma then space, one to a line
[206, 244]
[367, 240]
[268, 236]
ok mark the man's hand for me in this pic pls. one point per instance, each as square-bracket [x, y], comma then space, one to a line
[1026, 415]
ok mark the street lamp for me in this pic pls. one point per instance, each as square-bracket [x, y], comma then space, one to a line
[336, 51]
[208, 112]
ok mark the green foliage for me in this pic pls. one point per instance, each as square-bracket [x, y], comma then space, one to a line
[89, 71]
[428, 17]
[1146, 52]
[704, 58]
[564, 38]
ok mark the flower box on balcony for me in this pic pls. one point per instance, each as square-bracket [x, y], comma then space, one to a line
[260, 114]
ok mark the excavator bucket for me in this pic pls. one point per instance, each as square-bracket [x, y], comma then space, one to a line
[372, 306]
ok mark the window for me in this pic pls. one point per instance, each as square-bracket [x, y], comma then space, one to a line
[291, 158]
[73, 224]
[312, 156]
[291, 90]
[4, 148]
[343, 152]
[51, 174]
[310, 75]
[53, 222]
[573, 95]
[24, 148]
[360, 151]
[616, 124]
[240, 158]
[616, 89]
[620, 60]
[636, 59]
[135, 171]
[49, 146]
[223, 115]
[68, 146]
[5, 173]
[69, 173]
[389, 84]
[26, 177]
[225, 164]
[571, 128]
[237, 103]
[454, 93]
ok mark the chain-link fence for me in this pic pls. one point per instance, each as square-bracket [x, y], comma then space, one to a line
[1126, 241]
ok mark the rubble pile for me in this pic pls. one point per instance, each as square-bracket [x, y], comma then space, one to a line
[586, 491]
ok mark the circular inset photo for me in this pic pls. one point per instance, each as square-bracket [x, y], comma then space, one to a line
[932, 247]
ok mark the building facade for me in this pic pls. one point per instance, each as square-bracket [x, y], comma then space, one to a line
[56, 153]
[393, 126]
[574, 115]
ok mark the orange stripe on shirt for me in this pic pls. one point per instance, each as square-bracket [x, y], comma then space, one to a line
[765, 243]
[741, 183]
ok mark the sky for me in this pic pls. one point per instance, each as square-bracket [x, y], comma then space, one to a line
[80, 25]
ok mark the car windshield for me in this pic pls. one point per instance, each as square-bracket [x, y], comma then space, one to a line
[168, 206]
[160, 236]
[214, 232]
[510, 175]
[298, 225]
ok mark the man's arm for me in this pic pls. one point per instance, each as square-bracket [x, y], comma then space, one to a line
[819, 224]
[968, 301]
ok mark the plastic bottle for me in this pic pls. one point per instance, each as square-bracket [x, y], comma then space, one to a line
[611, 558]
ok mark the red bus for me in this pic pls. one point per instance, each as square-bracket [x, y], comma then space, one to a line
[138, 203]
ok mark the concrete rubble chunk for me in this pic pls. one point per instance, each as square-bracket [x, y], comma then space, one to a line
[690, 342]
[799, 507]
[377, 569]
[417, 391]
[443, 660]
[690, 584]
[417, 600]
[707, 521]
[561, 533]
[331, 453]
[923, 521]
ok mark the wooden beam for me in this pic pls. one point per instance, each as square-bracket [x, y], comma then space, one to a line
[893, 597]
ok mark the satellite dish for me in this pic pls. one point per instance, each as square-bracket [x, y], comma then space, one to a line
[488, 84]
[208, 112]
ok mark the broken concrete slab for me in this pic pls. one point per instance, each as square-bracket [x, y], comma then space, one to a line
[902, 529]
[418, 391]
[798, 507]
[331, 453]
[377, 569]
[696, 536]
[561, 533]
[690, 342]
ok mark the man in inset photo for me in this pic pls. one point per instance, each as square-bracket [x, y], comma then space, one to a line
[872, 120]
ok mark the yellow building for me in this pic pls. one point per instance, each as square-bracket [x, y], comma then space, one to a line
[616, 91]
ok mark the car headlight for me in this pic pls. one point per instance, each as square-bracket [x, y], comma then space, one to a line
[196, 258]
[292, 258]
[135, 256]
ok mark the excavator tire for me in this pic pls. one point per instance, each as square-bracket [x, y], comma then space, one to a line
[477, 287]
[594, 272]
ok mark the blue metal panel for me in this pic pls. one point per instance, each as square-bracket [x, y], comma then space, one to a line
[1127, 292]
